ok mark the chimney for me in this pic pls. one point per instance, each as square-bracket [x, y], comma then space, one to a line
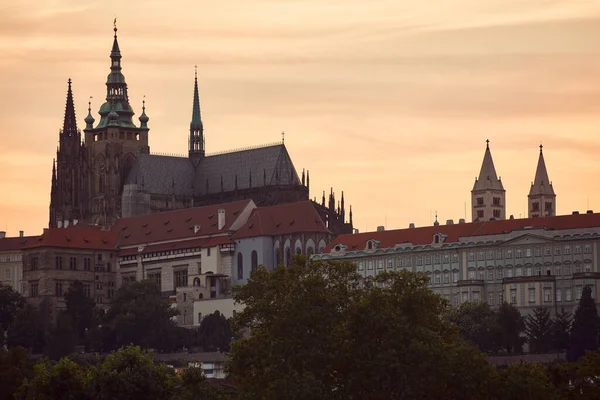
[575, 212]
[380, 228]
[411, 225]
[450, 222]
[461, 221]
[59, 224]
[2, 234]
[21, 233]
[590, 211]
[66, 223]
[512, 217]
[221, 218]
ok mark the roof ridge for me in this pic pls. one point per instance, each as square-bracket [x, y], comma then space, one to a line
[260, 146]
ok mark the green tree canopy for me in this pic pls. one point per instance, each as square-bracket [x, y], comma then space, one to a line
[214, 333]
[28, 330]
[140, 315]
[525, 381]
[478, 324]
[561, 330]
[16, 365]
[585, 328]
[512, 325]
[318, 330]
[11, 303]
[538, 327]
[82, 310]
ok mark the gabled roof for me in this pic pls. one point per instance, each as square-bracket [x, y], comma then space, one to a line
[487, 175]
[541, 184]
[268, 165]
[185, 223]
[424, 235]
[14, 243]
[77, 237]
[299, 217]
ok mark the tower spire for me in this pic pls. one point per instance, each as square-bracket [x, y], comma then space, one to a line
[541, 198]
[196, 141]
[70, 122]
[488, 194]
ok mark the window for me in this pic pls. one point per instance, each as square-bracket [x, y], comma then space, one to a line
[254, 260]
[519, 272]
[577, 249]
[240, 265]
[465, 297]
[99, 285]
[557, 271]
[475, 296]
[547, 251]
[497, 214]
[481, 274]
[577, 268]
[438, 278]
[99, 256]
[557, 251]
[437, 258]
[491, 299]
[86, 289]
[509, 253]
[471, 256]
[390, 263]
[568, 295]
[578, 291]
[490, 255]
[455, 257]
[87, 262]
[73, 263]
[58, 262]
[419, 260]
[587, 267]
[532, 295]
[496, 201]
[370, 264]
[490, 274]
[7, 273]
[33, 290]
[208, 252]
[587, 248]
[518, 253]
[538, 252]
[498, 254]
[436, 239]
[107, 267]
[479, 213]
[499, 273]
[399, 262]
[509, 273]
[558, 295]
[181, 278]
[455, 299]
[567, 270]
[446, 277]
[480, 256]
[58, 289]
[33, 260]
[528, 252]
[428, 259]
[548, 205]
[535, 206]
[547, 296]
[500, 297]
[513, 296]
[111, 293]
[156, 277]
[380, 264]
[567, 250]
[446, 258]
[361, 266]
[454, 276]
[528, 271]
[480, 201]
[472, 274]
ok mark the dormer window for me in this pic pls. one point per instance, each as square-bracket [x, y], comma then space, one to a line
[439, 238]
[436, 238]
[370, 245]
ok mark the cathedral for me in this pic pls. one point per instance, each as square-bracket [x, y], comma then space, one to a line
[112, 174]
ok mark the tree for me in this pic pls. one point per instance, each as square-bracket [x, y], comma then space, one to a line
[214, 333]
[525, 381]
[82, 310]
[15, 366]
[586, 324]
[28, 330]
[140, 315]
[11, 303]
[538, 328]
[318, 330]
[65, 380]
[478, 324]
[511, 326]
[63, 338]
[584, 376]
[561, 330]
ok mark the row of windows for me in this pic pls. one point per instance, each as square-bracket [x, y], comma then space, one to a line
[168, 253]
[530, 252]
[254, 262]
[498, 298]
[59, 289]
[58, 263]
[10, 258]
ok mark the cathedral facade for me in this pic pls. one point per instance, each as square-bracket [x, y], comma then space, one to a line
[112, 174]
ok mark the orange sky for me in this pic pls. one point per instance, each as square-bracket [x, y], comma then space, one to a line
[391, 101]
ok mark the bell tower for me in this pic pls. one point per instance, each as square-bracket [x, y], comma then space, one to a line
[488, 197]
[113, 144]
[541, 199]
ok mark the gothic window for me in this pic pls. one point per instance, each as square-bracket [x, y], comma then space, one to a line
[480, 201]
[479, 213]
[240, 266]
[496, 201]
[254, 260]
[535, 206]
[548, 206]
[496, 213]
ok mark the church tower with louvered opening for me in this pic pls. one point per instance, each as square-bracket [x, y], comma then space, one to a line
[488, 197]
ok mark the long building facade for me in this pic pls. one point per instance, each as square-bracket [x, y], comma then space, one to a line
[110, 173]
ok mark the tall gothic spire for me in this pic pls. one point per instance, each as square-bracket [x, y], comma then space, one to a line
[116, 111]
[487, 175]
[196, 141]
[70, 122]
[541, 184]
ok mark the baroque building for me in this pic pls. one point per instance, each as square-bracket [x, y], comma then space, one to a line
[112, 174]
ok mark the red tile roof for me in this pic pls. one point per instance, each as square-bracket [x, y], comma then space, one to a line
[177, 224]
[14, 243]
[424, 235]
[79, 237]
[282, 219]
[180, 244]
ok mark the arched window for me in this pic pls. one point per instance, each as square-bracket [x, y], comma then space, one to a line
[254, 260]
[200, 296]
[240, 266]
[436, 239]
[287, 257]
[196, 282]
[277, 258]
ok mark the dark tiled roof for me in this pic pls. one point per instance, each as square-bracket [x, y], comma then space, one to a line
[78, 237]
[282, 219]
[269, 165]
[177, 245]
[177, 224]
[424, 235]
[14, 243]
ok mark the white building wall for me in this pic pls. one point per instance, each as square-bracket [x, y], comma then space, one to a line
[225, 306]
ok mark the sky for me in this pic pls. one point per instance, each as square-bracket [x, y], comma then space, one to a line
[389, 101]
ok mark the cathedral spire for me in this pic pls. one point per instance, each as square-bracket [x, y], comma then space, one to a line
[488, 195]
[196, 142]
[541, 183]
[487, 175]
[541, 198]
[70, 122]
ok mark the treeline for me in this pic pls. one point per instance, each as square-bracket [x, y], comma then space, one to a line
[138, 315]
[318, 330]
